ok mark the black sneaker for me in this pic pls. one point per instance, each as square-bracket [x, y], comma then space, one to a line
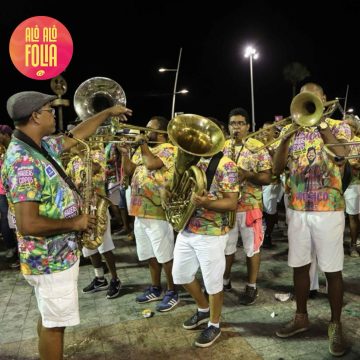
[249, 296]
[197, 319]
[228, 287]
[114, 289]
[96, 285]
[208, 336]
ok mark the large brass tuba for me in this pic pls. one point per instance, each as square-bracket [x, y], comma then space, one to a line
[195, 136]
[91, 97]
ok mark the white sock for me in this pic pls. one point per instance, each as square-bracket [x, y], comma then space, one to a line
[99, 272]
[204, 310]
[252, 285]
[226, 281]
[217, 325]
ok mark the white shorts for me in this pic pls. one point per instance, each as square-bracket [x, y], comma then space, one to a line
[231, 243]
[113, 193]
[316, 232]
[352, 199]
[154, 239]
[271, 196]
[57, 297]
[194, 250]
[107, 244]
[247, 236]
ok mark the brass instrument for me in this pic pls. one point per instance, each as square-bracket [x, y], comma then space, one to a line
[96, 94]
[117, 126]
[195, 136]
[327, 147]
[92, 96]
[306, 110]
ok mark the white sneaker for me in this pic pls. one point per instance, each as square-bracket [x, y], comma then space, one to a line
[10, 253]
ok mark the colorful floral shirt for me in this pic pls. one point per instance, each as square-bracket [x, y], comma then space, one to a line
[247, 159]
[314, 179]
[146, 184]
[355, 173]
[28, 176]
[210, 222]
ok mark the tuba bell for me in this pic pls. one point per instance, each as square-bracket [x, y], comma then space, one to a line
[195, 136]
[97, 94]
[91, 97]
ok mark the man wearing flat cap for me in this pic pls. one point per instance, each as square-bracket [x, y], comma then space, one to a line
[46, 209]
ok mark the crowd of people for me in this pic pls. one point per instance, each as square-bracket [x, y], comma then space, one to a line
[54, 206]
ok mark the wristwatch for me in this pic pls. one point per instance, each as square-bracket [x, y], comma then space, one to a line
[323, 125]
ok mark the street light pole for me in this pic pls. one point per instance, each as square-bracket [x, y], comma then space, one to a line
[175, 85]
[252, 54]
[184, 91]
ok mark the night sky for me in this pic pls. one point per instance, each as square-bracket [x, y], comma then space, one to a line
[129, 41]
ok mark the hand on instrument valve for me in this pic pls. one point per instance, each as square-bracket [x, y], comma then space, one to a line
[84, 222]
[141, 139]
[200, 200]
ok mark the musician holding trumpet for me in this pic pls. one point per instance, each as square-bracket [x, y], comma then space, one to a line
[46, 207]
[315, 211]
[152, 169]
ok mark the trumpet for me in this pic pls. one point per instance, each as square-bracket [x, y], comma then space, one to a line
[306, 110]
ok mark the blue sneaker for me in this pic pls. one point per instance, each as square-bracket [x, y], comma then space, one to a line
[150, 294]
[170, 300]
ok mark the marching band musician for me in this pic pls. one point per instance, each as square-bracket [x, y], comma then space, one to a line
[202, 244]
[254, 169]
[352, 193]
[152, 170]
[46, 207]
[315, 216]
[75, 169]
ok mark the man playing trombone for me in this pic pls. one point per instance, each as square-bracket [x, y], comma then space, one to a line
[315, 213]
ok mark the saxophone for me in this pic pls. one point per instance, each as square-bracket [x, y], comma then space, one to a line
[93, 203]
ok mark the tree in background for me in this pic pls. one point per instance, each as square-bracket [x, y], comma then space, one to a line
[294, 73]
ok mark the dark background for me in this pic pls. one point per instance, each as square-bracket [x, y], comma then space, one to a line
[129, 41]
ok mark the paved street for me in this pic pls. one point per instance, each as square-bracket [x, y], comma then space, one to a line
[116, 329]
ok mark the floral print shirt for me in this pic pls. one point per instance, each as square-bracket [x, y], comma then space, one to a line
[210, 222]
[314, 179]
[247, 158]
[28, 176]
[146, 184]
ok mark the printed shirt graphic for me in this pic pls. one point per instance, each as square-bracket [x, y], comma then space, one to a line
[209, 222]
[28, 176]
[247, 159]
[355, 173]
[314, 179]
[146, 184]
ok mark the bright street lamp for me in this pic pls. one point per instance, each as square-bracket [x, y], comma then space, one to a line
[184, 91]
[251, 53]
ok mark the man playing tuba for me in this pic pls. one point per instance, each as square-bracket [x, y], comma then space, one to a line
[202, 243]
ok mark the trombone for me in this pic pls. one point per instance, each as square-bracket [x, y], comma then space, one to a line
[116, 126]
[306, 110]
[341, 158]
